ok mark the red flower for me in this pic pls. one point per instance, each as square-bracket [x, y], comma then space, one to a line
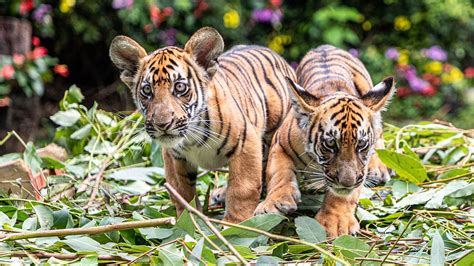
[403, 91]
[201, 7]
[276, 3]
[157, 16]
[26, 6]
[8, 71]
[35, 41]
[469, 72]
[61, 70]
[428, 91]
[38, 52]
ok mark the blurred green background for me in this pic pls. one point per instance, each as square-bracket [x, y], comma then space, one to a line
[426, 44]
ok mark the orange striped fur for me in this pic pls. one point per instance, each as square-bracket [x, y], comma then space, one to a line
[329, 138]
[209, 109]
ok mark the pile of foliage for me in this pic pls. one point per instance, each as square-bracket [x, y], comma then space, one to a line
[423, 215]
[427, 43]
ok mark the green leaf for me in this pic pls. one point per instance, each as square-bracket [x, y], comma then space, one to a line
[170, 255]
[66, 118]
[9, 157]
[405, 166]
[74, 95]
[82, 132]
[437, 250]
[50, 163]
[267, 261]
[83, 244]
[310, 230]
[264, 222]
[4, 219]
[463, 192]
[401, 188]
[351, 247]
[31, 158]
[62, 219]
[466, 261]
[45, 216]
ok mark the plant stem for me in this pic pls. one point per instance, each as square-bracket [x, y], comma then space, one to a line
[89, 230]
[205, 219]
[282, 238]
[60, 256]
[447, 179]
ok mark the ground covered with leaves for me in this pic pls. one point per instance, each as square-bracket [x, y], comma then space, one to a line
[114, 175]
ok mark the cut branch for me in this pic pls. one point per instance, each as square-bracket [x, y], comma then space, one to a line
[203, 217]
[89, 230]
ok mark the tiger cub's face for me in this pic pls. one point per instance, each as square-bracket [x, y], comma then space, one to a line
[169, 85]
[341, 131]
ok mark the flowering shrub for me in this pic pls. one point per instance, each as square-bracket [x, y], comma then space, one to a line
[29, 71]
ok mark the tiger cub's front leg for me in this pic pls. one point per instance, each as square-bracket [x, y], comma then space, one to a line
[182, 177]
[283, 194]
[245, 182]
[337, 214]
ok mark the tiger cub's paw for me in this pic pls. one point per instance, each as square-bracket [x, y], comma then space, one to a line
[377, 173]
[338, 223]
[217, 197]
[280, 203]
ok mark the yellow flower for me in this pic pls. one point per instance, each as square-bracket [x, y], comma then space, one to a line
[402, 23]
[454, 75]
[66, 5]
[277, 43]
[434, 67]
[367, 25]
[403, 58]
[231, 19]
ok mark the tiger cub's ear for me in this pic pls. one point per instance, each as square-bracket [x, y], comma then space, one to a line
[206, 45]
[302, 101]
[379, 96]
[126, 54]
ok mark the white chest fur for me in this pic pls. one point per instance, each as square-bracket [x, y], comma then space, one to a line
[205, 156]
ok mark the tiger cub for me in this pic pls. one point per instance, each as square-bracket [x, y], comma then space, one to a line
[209, 109]
[329, 136]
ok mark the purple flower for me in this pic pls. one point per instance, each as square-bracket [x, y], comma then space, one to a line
[262, 15]
[416, 84]
[120, 4]
[354, 52]
[267, 15]
[392, 53]
[168, 36]
[40, 13]
[294, 65]
[436, 53]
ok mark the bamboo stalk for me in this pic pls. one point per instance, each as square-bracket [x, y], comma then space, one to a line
[89, 230]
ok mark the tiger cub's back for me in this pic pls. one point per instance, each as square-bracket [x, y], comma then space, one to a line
[326, 67]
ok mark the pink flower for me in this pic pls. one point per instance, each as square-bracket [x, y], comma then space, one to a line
[18, 59]
[392, 53]
[39, 52]
[436, 53]
[120, 4]
[8, 71]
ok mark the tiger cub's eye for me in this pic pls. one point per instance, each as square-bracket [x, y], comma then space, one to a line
[362, 145]
[146, 90]
[180, 88]
[330, 145]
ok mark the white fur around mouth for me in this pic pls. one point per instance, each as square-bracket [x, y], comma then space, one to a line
[341, 190]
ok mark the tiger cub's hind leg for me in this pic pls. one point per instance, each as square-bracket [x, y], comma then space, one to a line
[283, 194]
